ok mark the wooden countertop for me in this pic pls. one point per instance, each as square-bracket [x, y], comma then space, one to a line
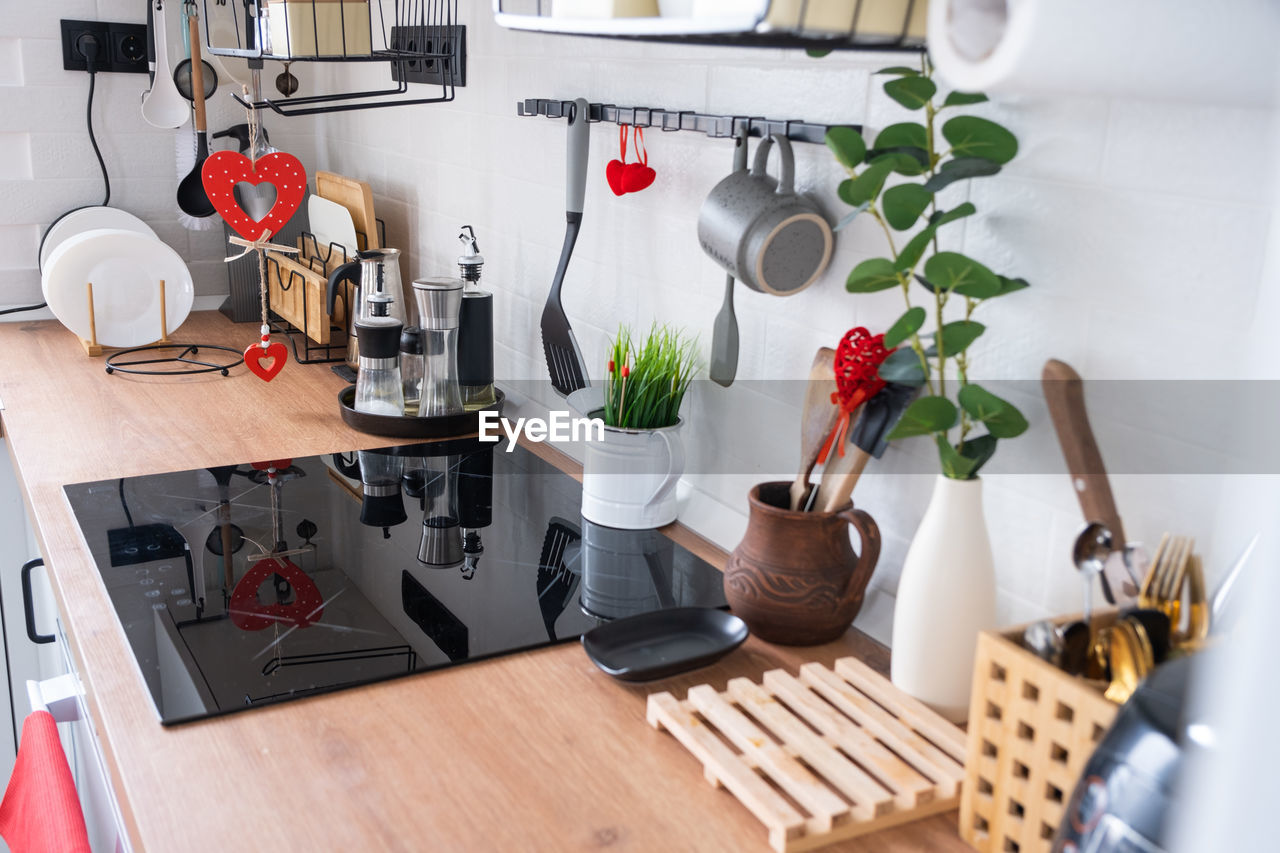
[537, 750]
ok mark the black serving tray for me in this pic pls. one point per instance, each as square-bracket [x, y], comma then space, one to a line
[663, 643]
[448, 426]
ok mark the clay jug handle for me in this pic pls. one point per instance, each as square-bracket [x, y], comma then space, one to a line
[868, 552]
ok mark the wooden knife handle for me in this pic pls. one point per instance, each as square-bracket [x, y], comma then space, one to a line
[1064, 393]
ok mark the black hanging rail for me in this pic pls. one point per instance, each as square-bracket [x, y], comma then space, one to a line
[714, 126]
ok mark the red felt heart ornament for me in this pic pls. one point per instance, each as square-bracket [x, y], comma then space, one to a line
[635, 177]
[248, 614]
[224, 169]
[613, 173]
[278, 464]
[275, 354]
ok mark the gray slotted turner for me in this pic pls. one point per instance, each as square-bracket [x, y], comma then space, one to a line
[564, 358]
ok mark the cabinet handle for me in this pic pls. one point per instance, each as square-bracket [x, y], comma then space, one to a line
[29, 604]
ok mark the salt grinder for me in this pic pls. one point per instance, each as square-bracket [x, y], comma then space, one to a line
[439, 300]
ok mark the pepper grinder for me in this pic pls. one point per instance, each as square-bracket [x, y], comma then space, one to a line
[379, 390]
[439, 300]
[475, 329]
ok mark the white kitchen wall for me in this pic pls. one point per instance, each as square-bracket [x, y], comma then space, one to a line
[1142, 227]
[47, 166]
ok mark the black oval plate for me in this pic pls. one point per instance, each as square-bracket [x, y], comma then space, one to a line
[397, 426]
[663, 643]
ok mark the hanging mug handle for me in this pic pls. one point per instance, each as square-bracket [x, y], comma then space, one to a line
[787, 177]
[675, 465]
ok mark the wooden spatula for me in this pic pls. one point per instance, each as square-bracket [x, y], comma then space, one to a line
[817, 419]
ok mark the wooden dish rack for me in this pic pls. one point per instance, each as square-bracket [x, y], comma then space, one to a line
[1032, 728]
[830, 755]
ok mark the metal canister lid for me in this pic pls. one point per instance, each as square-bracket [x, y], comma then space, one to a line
[439, 301]
[411, 340]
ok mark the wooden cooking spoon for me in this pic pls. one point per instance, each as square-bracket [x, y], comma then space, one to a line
[817, 419]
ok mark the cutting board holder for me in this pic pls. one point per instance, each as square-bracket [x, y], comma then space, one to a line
[296, 294]
[93, 349]
[830, 755]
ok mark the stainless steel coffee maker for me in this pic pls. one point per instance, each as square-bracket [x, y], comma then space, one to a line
[373, 271]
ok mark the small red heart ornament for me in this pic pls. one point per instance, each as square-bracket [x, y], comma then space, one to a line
[635, 177]
[248, 614]
[614, 173]
[275, 354]
[224, 169]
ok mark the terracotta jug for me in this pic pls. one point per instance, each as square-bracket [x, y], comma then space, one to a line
[794, 578]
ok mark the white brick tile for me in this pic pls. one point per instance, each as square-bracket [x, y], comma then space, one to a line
[19, 246]
[15, 156]
[10, 62]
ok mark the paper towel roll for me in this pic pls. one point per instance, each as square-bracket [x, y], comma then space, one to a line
[1219, 52]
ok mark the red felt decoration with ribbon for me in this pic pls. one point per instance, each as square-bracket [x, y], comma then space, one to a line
[857, 364]
[248, 614]
[624, 177]
[224, 169]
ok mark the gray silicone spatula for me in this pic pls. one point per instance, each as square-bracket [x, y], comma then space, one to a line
[564, 358]
[724, 335]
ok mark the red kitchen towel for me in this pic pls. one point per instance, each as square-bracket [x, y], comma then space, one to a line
[41, 811]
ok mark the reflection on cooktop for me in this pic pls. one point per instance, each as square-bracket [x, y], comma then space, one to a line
[243, 585]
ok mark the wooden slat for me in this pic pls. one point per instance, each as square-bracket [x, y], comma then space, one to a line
[910, 789]
[909, 709]
[787, 773]
[869, 798]
[664, 711]
[921, 754]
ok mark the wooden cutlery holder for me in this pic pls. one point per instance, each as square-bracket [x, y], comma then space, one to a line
[1032, 727]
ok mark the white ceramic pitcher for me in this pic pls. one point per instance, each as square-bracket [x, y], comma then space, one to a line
[629, 479]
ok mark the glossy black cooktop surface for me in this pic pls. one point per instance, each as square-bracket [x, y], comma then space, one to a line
[318, 574]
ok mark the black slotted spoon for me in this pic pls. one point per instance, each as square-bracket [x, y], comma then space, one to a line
[564, 358]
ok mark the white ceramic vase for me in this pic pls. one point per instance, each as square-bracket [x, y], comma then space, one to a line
[946, 595]
[629, 479]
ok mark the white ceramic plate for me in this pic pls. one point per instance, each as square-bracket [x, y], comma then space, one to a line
[87, 219]
[331, 223]
[125, 268]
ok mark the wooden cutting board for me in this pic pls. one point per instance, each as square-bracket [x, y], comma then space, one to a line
[355, 196]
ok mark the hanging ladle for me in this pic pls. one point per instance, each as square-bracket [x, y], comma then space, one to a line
[192, 198]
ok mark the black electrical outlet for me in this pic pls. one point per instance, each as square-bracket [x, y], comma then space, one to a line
[442, 52]
[121, 47]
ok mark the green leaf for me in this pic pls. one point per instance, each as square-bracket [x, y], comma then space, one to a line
[901, 71]
[971, 136]
[904, 327]
[904, 368]
[912, 92]
[904, 161]
[926, 415]
[957, 336]
[915, 247]
[954, 271]
[1002, 418]
[1010, 285]
[848, 218]
[960, 211]
[960, 169]
[818, 53]
[926, 284]
[866, 186]
[903, 204]
[954, 466]
[847, 144]
[907, 134]
[872, 275]
[960, 99]
[980, 449]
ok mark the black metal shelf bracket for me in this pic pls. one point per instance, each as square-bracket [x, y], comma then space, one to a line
[670, 121]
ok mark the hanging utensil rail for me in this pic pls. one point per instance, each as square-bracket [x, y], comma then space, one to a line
[714, 126]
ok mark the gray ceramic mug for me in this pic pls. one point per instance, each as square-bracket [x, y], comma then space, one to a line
[761, 231]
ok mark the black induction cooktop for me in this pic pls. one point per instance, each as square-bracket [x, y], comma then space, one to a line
[246, 585]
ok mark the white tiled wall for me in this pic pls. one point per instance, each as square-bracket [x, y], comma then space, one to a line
[47, 165]
[1142, 226]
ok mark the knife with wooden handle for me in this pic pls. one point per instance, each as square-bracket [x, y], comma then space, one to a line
[1064, 394]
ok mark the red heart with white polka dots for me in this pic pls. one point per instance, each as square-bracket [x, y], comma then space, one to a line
[223, 170]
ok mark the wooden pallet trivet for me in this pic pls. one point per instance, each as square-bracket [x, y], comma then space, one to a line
[827, 756]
